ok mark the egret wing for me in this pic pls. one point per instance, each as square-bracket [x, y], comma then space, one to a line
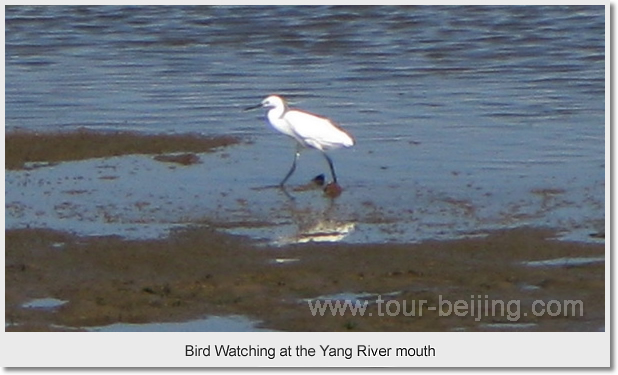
[317, 132]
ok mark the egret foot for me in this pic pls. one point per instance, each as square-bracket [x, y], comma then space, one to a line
[332, 190]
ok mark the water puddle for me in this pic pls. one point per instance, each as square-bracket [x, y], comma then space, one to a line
[509, 326]
[44, 303]
[284, 260]
[342, 297]
[353, 297]
[529, 287]
[565, 262]
[234, 323]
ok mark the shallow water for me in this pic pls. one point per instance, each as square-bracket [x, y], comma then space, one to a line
[467, 118]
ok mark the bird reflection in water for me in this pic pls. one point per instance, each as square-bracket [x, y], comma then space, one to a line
[314, 223]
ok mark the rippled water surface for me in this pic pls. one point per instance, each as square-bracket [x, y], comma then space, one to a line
[466, 118]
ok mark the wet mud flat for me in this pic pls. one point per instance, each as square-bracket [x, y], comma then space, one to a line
[26, 146]
[198, 272]
[58, 279]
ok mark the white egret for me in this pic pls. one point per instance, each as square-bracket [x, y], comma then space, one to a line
[309, 130]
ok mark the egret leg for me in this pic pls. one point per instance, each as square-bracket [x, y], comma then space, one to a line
[332, 169]
[292, 169]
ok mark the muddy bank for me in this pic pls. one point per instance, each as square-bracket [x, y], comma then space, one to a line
[199, 272]
[27, 146]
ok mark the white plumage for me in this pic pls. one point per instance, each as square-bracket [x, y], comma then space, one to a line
[307, 129]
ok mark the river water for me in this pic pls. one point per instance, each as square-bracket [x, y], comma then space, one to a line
[466, 118]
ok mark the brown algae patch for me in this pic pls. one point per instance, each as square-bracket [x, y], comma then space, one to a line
[198, 272]
[29, 147]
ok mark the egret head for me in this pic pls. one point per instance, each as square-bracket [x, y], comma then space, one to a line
[270, 102]
[273, 101]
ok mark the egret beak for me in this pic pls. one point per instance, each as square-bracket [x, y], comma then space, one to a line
[253, 107]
